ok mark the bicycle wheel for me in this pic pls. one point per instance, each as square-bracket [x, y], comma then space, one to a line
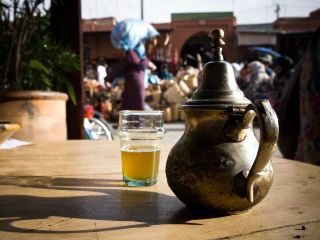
[97, 130]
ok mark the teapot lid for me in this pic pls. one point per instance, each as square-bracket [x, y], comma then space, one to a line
[218, 88]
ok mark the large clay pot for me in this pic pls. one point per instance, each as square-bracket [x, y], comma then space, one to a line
[42, 114]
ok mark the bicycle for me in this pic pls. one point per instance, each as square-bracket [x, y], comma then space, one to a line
[95, 127]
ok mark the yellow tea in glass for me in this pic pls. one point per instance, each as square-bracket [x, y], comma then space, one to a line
[140, 163]
[140, 133]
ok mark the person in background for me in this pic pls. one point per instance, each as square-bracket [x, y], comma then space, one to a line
[259, 84]
[289, 116]
[101, 72]
[236, 69]
[267, 61]
[243, 78]
[150, 76]
[283, 68]
[299, 111]
[164, 72]
[90, 72]
[133, 68]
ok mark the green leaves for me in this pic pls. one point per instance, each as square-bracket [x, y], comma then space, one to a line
[71, 93]
[30, 58]
[35, 64]
[43, 73]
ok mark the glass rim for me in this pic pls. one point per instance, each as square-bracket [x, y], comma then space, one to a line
[141, 112]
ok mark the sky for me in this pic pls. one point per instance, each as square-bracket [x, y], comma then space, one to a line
[159, 11]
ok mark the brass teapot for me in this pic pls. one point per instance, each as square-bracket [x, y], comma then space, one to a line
[218, 163]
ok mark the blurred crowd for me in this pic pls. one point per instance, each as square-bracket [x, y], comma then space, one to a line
[162, 89]
[264, 77]
[294, 92]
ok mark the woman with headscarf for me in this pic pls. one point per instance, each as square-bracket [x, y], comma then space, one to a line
[130, 35]
[259, 83]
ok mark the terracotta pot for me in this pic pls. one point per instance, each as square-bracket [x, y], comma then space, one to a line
[42, 114]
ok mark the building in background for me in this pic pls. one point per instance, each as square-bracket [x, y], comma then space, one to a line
[186, 39]
[288, 36]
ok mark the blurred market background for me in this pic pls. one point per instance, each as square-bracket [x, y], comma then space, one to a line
[264, 42]
[253, 30]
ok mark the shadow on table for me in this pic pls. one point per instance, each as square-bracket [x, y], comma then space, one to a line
[110, 204]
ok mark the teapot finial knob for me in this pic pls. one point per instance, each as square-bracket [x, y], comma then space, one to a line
[217, 43]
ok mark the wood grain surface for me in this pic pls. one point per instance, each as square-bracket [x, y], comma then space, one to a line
[73, 190]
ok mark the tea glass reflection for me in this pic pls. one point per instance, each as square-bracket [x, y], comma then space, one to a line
[140, 135]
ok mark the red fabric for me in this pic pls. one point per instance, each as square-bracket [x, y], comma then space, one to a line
[88, 111]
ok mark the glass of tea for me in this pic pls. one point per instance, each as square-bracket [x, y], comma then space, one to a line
[140, 135]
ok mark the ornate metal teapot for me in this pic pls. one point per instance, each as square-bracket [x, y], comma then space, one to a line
[218, 163]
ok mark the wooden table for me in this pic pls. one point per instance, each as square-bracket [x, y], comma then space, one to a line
[73, 190]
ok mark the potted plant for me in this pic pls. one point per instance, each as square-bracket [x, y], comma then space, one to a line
[32, 65]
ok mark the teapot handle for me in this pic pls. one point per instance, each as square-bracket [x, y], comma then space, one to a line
[269, 131]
